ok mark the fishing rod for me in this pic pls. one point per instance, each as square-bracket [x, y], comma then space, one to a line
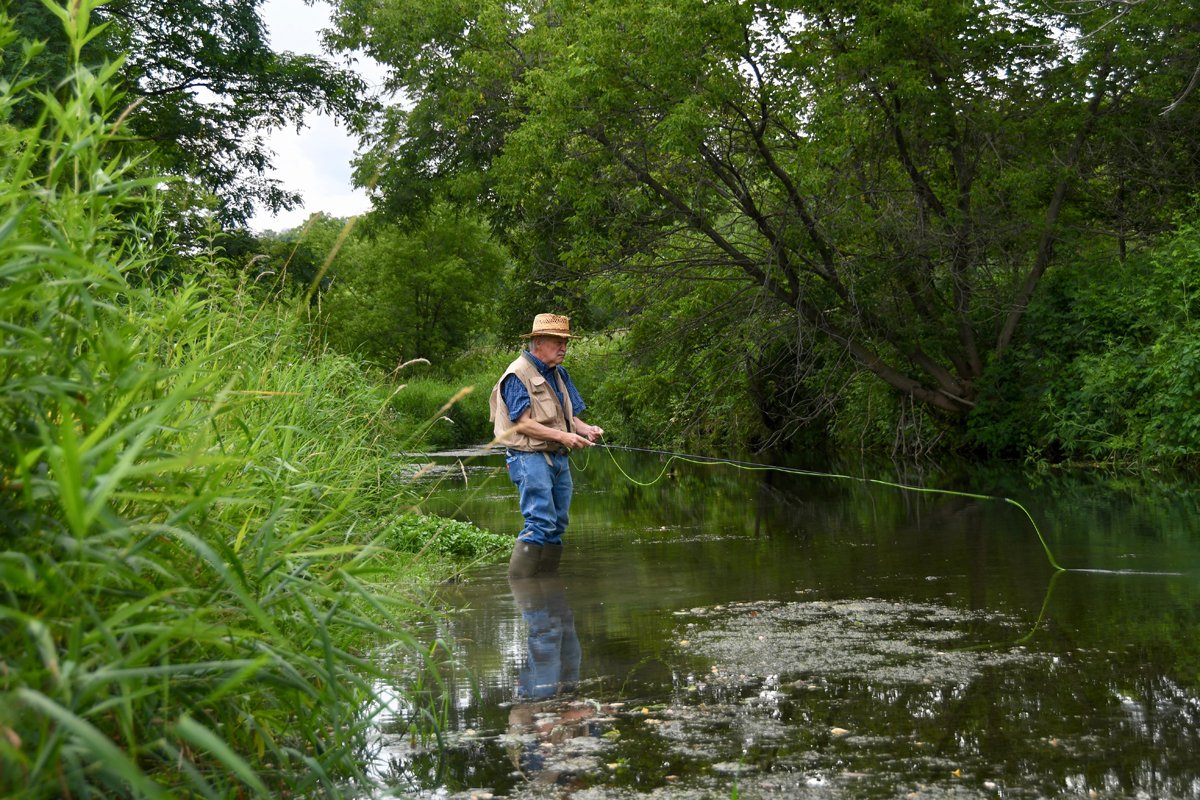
[760, 467]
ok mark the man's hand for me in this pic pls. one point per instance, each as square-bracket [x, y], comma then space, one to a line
[584, 436]
[591, 432]
[574, 441]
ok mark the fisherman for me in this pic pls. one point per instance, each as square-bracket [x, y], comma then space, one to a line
[535, 412]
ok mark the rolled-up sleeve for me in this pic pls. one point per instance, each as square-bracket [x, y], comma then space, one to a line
[515, 396]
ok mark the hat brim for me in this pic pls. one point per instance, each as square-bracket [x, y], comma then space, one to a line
[551, 334]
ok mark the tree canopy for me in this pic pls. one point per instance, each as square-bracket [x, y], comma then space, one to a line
[204, 87]
[887, 181]
[393, 294]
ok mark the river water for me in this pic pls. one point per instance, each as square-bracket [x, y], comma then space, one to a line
[733, 633]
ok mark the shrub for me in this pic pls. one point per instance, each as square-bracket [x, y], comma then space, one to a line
[442, 414]
[416, 533]
[1108, 367]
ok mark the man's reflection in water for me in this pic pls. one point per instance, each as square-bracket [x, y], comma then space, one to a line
[552, 665]
[545, 717]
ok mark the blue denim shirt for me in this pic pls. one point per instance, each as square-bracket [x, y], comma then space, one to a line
[516, 396]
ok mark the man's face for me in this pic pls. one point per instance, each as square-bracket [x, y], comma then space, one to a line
[551, 350]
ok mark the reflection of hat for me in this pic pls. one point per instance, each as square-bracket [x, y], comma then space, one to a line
[550, 325]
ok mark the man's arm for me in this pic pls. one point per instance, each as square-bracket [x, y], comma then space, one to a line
[536, 430]
[591, 432]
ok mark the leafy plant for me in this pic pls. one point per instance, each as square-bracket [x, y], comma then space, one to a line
[194, 554]
[1108, 369]
[416, 533]
[397, 295]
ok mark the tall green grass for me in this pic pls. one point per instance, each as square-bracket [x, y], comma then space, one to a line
[198, 517]
[424, 404]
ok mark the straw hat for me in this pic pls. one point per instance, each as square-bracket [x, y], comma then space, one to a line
[550, 325]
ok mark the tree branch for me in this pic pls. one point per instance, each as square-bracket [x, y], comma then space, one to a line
[924, 191]
[742, 194]
[1191, 87]
[1046, 242]
[758, 134]
[694, 217]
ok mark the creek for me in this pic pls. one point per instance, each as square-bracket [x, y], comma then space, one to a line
[734, 634]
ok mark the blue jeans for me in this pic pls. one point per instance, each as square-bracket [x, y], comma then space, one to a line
[552, 662]
[545, 491]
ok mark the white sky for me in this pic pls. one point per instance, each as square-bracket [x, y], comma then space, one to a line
[316, 161]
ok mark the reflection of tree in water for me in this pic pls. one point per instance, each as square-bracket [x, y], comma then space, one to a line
[890, 691]
[755, 498]
[1111, 702]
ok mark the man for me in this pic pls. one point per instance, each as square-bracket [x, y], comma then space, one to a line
[535, 412]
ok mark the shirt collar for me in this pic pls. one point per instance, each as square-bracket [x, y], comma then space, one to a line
[537, 362]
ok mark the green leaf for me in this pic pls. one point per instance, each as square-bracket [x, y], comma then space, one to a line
[105, 756]
[204, 739]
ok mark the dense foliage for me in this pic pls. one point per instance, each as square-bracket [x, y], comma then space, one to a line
[199, 537]
[800, 193]
[395, 295]
[202, 86]
[1109, 370]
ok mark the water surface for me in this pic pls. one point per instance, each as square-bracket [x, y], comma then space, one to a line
[727, 633]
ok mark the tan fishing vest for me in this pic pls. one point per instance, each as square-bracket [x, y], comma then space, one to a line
[543, 405]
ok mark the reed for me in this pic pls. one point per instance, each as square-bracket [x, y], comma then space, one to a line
[198, 518]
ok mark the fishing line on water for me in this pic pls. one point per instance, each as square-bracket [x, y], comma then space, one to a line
[751, 466]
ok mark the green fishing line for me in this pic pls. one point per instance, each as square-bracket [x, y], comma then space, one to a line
[751, 466]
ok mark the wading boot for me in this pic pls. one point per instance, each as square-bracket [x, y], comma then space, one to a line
[524, 560]
[528, 593]
[551, 555]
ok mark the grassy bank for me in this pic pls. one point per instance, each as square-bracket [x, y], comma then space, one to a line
[203, 535]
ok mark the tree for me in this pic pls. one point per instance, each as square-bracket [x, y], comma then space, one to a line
[893, 177]
[204, 86]
[427, 292]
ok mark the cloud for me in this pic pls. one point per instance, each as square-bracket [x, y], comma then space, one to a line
[315, 161]
[295, 25]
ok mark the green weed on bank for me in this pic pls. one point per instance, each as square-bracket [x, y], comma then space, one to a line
[198, 516]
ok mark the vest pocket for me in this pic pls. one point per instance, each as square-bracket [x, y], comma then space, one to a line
[543, 401]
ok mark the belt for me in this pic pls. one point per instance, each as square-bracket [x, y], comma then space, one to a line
[558, 451]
